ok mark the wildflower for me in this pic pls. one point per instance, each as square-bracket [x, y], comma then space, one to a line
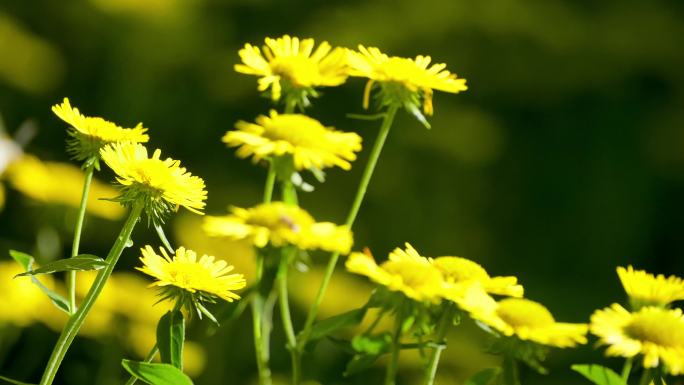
[280, 224]
[464, 271]
[310, 144]
[645, 289]
[654, 332]
[525, 319]
[290, 64]
[403, 82]
[90, 134]
[161, 184]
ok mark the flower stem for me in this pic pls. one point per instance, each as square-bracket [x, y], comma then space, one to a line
[284, 302]
[444, 322]
[391, 374]
[76, 320]
[150, 356]
[270, 183]
[356, 205]
[626, 369]
[71, 276]
[511, 375]
[646, 377]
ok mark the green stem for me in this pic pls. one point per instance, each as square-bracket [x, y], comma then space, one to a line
[646, 377]
[391, 374]
[290, 104]
[270, 182]
[356, 205]
[511, 376]
[626, 369]
[71, 276]
[444, 323]
[285, 315]
[76, 320]
[150, 356]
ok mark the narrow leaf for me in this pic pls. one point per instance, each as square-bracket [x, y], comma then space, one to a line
[360, 362]
[599, 375]
[156, 374]
[483, 377]
[15, 382]
[81, 262]
[23, 259]
[330, 325]
[170, 338]
[26, 261]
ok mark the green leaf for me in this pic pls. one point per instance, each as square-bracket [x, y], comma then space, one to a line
[373, 344]
[26, 261]
[156, 374]
[15, 382]
[360, 362]
[599, 375]
[483, 377]
[81, 262]
[170, 338]
[330, 325]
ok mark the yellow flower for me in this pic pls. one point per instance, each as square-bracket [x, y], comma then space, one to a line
[524, 319]
[163, 184]
[310, 144]
[403, 272]
[645, 289]
[290, 62]
[654, 332]
[91, 133]
[21, 302]
[464, 271]
[414, 77]
[186, 272]
[280, 224]
[61, 183]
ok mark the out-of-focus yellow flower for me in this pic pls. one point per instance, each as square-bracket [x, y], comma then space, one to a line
[61, 183]
[646, 289]
[411, 79]
[280, 224]
[163, 184]
[464, 271]
[527, 320]
[654, 332]
[90, 134]
[288, 62]
[310, 144]
[21, 302]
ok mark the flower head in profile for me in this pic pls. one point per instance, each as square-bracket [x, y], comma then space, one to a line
[90, 134]
[310, 144]
[162, 184]
[279, 224]
[459, 270]
[403, 82]
[654, 332]
[191, 280]
[646, 289]
[288, 64]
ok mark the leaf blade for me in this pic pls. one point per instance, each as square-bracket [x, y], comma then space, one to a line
[15, 382]
[83, 262]
[326, 326]
[26, 261]
[483, 377]
[599, 375]
[156, 374]
[170, 338]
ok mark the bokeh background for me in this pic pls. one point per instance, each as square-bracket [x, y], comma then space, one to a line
[564, 159]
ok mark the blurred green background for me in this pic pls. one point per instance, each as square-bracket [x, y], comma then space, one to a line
[564, 159]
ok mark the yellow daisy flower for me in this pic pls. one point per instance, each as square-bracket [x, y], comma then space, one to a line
[280, 224]
[190, 274]
[646, 289]
[163, 184]
[290, 62]
[654, 332]
[403, 272]
[464, 271]
[90, 134]
[408, 78]
[525, 319]
[310, 144]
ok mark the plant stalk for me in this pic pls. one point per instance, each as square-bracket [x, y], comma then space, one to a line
[391, 374]
[442, 328]
[71, 275]
[150, 356]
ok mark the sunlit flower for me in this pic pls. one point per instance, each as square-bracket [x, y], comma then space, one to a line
[464, 271]
[404, 82]
[280, 224]
[203, 276]
[646, 289]
[290, 63]
[654, 332]
[311, 144]
[162, 184]
[525, 319]
[90, 134]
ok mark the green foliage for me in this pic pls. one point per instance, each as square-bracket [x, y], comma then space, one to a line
[170, 338]
[26, 261]
[342, 321]
[15, 382]
[83, 262]
[484, 377]
[156, 374]
[599, 375]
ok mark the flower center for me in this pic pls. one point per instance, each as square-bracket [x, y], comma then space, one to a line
[299, 130]
[657, 326]
[413, 274]
[187, 275]
[279, 217]
[298, 70]
[458, 269]
[524, 313]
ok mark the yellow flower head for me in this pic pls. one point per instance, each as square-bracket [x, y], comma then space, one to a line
[463, 271]
[405, 271]
[186, 272]
[404, 81]
[654, 332]
[280, 224]
[288, 62]
[645, 289]
[162, 184]
[525, 319]
[306, 140]
[90, 134]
